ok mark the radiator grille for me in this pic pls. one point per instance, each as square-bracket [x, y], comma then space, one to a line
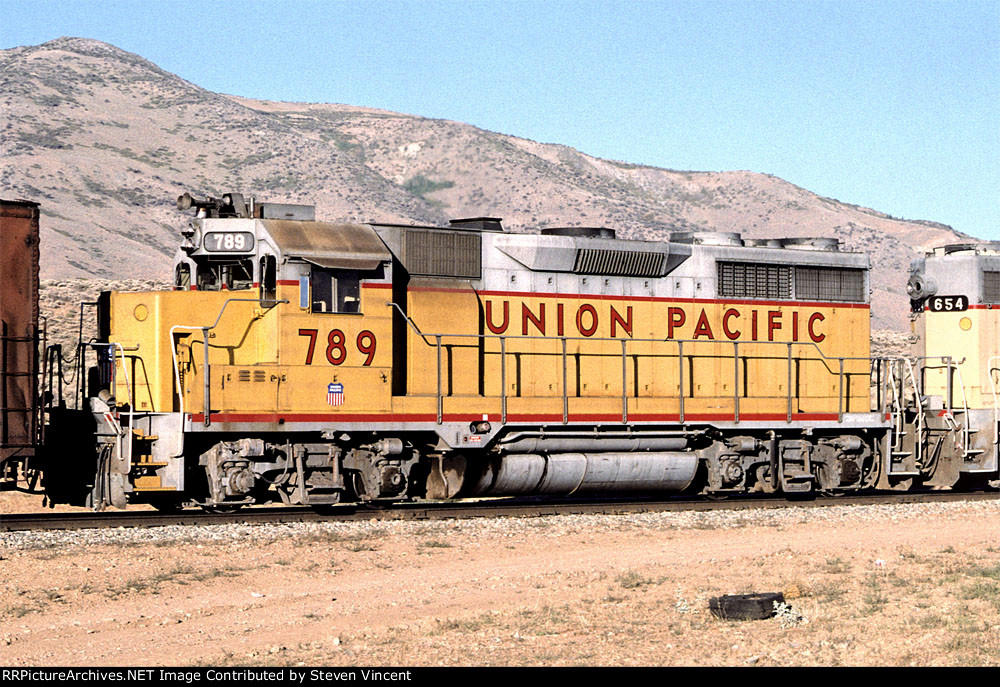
[991, 287]
[436, 253]
[620, 263]
[829, 284]
[750, 280]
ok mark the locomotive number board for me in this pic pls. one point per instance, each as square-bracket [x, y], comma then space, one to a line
[228, 241]
[948, 304]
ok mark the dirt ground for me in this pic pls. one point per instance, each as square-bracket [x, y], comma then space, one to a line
[899, 585]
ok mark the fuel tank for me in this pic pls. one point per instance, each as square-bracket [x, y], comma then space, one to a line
[576, 473]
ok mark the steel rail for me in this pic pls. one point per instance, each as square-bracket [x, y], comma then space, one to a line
[514, 507]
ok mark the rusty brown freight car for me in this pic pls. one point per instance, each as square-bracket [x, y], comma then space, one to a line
[19, 336]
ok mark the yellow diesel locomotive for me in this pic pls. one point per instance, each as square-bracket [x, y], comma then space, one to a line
[948, 430]
[310, 362]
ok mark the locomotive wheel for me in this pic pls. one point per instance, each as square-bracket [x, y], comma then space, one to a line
[356, 483]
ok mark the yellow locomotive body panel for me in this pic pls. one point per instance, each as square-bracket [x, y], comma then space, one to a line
[276, 364]
[610, 340]
[266, 363]
[971, 339]
[142, 322]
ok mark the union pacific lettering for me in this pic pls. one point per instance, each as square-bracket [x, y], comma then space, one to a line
[715, 322]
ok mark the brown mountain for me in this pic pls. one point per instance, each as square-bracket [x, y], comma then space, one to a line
[106, 141]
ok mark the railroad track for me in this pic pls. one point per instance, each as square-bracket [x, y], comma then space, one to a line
[458, 510]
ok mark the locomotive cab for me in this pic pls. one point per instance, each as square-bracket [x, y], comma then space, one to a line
[272, 316]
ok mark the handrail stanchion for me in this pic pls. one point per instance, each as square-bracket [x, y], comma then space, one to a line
[948, 392]
[207, 375]
[503, 380]
[565, 394]
[680, 379]
[624, 384]
[840, 393]
[996, 401]
[789, 382]
[440, 400]
[736, 382]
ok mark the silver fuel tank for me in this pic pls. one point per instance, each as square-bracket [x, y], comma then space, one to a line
[575, 473]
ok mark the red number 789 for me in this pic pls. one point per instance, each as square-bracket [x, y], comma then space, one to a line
[336, 350]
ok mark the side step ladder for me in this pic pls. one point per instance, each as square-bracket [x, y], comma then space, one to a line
[894, 449]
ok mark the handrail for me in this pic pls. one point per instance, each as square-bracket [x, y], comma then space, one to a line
[996, 402]
[131, 403]
[908, 374]
[409, 321]
[894, 439]
[115, 347]
[822, 358]
[965, 412]
[266, 303]
[918, 443]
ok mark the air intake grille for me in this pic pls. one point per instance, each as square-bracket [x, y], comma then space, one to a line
[620, 263]
[991, 287]
[438, 253]
[829, 284]
[749, 280]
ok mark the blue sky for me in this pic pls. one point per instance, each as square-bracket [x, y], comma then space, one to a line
[891, 105]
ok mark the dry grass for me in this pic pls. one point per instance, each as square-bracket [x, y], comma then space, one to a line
[892, 595]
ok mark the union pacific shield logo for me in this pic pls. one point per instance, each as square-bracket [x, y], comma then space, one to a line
[335, 394]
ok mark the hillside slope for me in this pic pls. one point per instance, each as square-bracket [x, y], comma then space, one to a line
[106, 140]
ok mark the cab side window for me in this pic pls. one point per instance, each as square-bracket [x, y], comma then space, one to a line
[182, 277]
[268, 278]
[335, 291]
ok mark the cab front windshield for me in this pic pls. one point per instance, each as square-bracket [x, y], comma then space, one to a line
[231, 275]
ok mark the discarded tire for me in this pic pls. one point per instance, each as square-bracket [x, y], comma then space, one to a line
[745, 606]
